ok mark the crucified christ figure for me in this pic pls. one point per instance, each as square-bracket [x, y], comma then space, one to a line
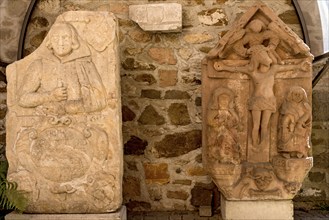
[262, 102]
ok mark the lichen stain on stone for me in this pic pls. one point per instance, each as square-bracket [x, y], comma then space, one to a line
[213, 17]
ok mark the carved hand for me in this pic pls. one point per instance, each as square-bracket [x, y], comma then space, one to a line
[59, 94]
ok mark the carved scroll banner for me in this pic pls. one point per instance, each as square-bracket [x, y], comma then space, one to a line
[256, 100]
[64, 142]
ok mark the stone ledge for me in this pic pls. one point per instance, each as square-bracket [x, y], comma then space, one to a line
[121, 214]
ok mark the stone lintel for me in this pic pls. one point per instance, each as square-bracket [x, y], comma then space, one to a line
[257, 210]
[121, 214]
[164, 17]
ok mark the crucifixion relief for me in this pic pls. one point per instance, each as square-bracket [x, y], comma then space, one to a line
[256, 102]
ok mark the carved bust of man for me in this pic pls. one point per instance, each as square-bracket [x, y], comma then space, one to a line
[64, 80]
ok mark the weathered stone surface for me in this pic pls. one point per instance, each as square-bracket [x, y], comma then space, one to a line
[151, 117]
[151, 94]
[213, 17]
[178, 114]
[133, 50]
[140, 36]
[256, 109]
[127, 114]
[316, 176]
[198, 158]
[183, 182]
[64, 141]
[162, 55]
[131, 187]
[3, 110]
[155, 193]
[37, 39]
[201, 196]
[165, 17]
[320, 105]
[167, 77]
[198, 38]
[11, 20]
[289, 17]
[156, 173]
[176, 94]
[185, 53]
[196, 171]
[198, 101]
[177, 144]
[181, 195]
[132, 64]
[131, 165]
[135, 146]
[138, 205]
[205, 211]
[119, 7]
[39, 22]
[148, 79]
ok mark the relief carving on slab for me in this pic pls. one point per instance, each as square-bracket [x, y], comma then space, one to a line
[295, 124]
[258, 118]
[222, 122]
[64, 124]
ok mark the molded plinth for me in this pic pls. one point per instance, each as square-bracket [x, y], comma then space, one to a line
[257, 210]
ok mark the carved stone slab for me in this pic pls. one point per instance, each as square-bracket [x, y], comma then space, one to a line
[164, 17]
[64, 142]
[256, 87]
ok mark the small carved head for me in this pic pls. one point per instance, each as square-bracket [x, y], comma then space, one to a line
[222, 98]
[297, 94]
[262, 177]
[62, 39]
[260, 57]
[256, 25]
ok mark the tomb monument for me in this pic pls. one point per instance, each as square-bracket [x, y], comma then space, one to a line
[64, 141]
[256, 101]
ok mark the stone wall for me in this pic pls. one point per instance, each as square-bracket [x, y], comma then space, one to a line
[161, 97]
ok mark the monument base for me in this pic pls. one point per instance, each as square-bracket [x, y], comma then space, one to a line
[121, 214]
[257, 210]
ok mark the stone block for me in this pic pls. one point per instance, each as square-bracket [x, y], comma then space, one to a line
[181, 195]
[167, 77]
[205, 211]
[164, 17]
[151, 117]
[162, 55]
[156, 173]
[257, 210]
[120, 214]
[173, 145]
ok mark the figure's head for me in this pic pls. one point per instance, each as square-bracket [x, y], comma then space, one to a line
[256, 25]
[62, 39]
[262, 177]
[224, 101]
[260, 58]
[297, 94]
[222, 98]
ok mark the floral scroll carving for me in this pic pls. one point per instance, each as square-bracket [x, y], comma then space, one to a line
[258, 118]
